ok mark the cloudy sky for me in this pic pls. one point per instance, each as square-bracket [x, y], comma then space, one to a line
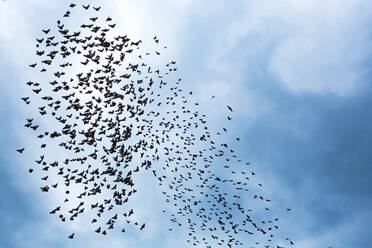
[297, 74]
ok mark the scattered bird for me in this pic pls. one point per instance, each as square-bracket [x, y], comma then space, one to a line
[20, 150]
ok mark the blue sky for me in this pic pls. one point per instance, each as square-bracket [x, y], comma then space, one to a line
[297, 75]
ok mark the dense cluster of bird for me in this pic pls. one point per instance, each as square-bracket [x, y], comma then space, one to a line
[114, 115]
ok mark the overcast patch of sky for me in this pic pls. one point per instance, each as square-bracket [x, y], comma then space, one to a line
[297, 75]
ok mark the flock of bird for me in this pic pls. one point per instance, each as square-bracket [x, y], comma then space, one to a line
[114, 115]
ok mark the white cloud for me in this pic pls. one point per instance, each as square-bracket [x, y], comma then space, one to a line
[313, 46]
[325, 47]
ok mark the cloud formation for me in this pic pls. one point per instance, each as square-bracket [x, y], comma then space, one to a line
[290, 49]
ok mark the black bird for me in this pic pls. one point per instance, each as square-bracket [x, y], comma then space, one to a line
[37, 91]
[20, 150]
[44, 189]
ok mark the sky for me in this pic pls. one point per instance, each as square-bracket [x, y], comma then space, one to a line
[296, 73]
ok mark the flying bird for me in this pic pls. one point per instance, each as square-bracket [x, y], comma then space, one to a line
[20, 150]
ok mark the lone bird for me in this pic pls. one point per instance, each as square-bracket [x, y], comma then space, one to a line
[20, 150]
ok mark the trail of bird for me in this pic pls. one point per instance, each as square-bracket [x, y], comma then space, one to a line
[116, 115]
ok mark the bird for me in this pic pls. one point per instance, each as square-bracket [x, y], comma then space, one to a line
[44, 189]
[20, 150]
